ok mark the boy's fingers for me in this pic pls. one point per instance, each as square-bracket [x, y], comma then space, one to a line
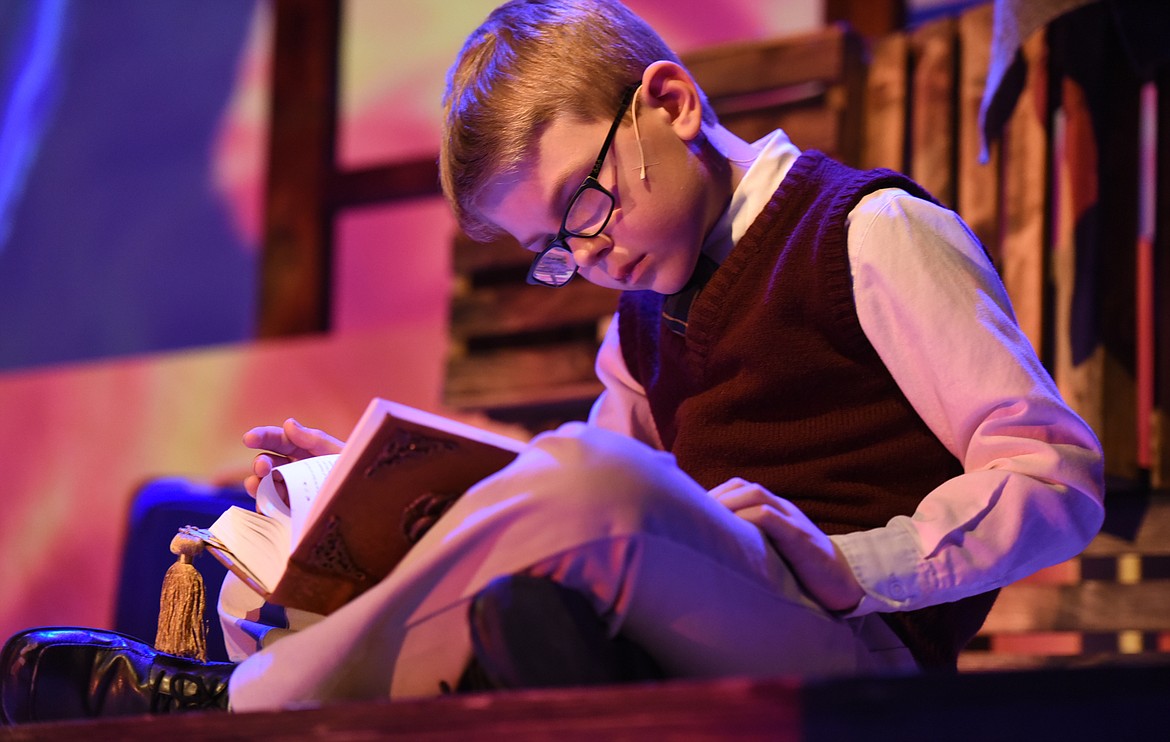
[310, 440]
[267, 438]
[263, 464]
[251, 484]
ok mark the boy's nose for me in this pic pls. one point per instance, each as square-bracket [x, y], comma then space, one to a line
[588, 251]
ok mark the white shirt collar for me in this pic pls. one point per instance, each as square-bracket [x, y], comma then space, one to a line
[776, 155]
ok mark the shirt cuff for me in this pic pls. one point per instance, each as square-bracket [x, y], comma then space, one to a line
[886, 563]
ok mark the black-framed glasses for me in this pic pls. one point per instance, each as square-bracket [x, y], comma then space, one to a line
[588, 212]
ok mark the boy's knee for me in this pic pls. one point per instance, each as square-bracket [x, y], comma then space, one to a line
[586, 469]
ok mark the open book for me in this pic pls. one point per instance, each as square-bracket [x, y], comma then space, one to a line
[347, 519]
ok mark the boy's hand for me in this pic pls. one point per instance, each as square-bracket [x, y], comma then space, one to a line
[813, 557]
[289, 442]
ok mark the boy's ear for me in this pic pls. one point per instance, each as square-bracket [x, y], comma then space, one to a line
[669, 86]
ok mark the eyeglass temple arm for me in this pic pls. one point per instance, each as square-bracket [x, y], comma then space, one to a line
[627, 96]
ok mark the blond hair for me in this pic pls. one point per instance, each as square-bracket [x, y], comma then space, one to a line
[530, 61]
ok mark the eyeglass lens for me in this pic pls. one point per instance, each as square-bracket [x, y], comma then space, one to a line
[555, 266]
[589, 212]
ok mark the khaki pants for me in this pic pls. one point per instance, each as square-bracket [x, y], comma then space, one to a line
[662, 561]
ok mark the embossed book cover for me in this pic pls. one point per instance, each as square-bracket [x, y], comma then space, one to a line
[328, 528]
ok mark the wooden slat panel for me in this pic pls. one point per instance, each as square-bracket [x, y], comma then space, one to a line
[472, 258]
[809, 85]
[1074, 192]
[808, 127]
[932, 128]
[513, 309]
[1094, 606]
[977, 182]
[887, 105]
[745, 68]
[520, 376]
[1025, 197]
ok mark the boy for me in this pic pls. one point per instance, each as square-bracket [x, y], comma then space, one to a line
[823, 444]
[849, 381]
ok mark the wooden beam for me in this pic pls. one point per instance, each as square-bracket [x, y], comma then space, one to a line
[296, 266]
[381, 183]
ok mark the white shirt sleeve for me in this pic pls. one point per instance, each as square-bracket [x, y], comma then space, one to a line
[933, 307]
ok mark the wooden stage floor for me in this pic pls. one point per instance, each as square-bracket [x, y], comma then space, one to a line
[1110, 702]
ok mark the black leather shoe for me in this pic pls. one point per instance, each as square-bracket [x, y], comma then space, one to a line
[532, 632]
[56, 673]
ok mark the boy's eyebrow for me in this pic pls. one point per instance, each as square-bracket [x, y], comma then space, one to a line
[564, 186]
[560, 197]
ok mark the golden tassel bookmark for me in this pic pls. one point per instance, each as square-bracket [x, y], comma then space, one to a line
[180, 612]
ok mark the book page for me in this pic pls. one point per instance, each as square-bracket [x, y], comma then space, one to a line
[301, 482]
[256, 543]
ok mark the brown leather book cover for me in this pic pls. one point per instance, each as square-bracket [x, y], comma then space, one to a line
[396, 461]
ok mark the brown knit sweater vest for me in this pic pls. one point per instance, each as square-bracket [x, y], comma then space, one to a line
[774, 381]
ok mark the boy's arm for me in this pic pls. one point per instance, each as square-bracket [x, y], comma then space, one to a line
[622, 407]
[1031, 494]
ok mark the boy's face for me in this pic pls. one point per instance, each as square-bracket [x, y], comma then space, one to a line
[653, 238]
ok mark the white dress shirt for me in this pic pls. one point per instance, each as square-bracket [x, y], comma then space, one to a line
[933, 307]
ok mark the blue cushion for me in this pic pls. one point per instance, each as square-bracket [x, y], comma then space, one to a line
[160, 508]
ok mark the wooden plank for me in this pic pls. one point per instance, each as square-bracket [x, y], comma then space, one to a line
[744, 68]
[510, 377]
[1075, 174]
[811, 85]
[977, 183]
[296, 265]
[472, 259]
[932, 119]
[809, 127]
[1025, 188]
[1094, 606]
[520, 309]
[887, 105]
